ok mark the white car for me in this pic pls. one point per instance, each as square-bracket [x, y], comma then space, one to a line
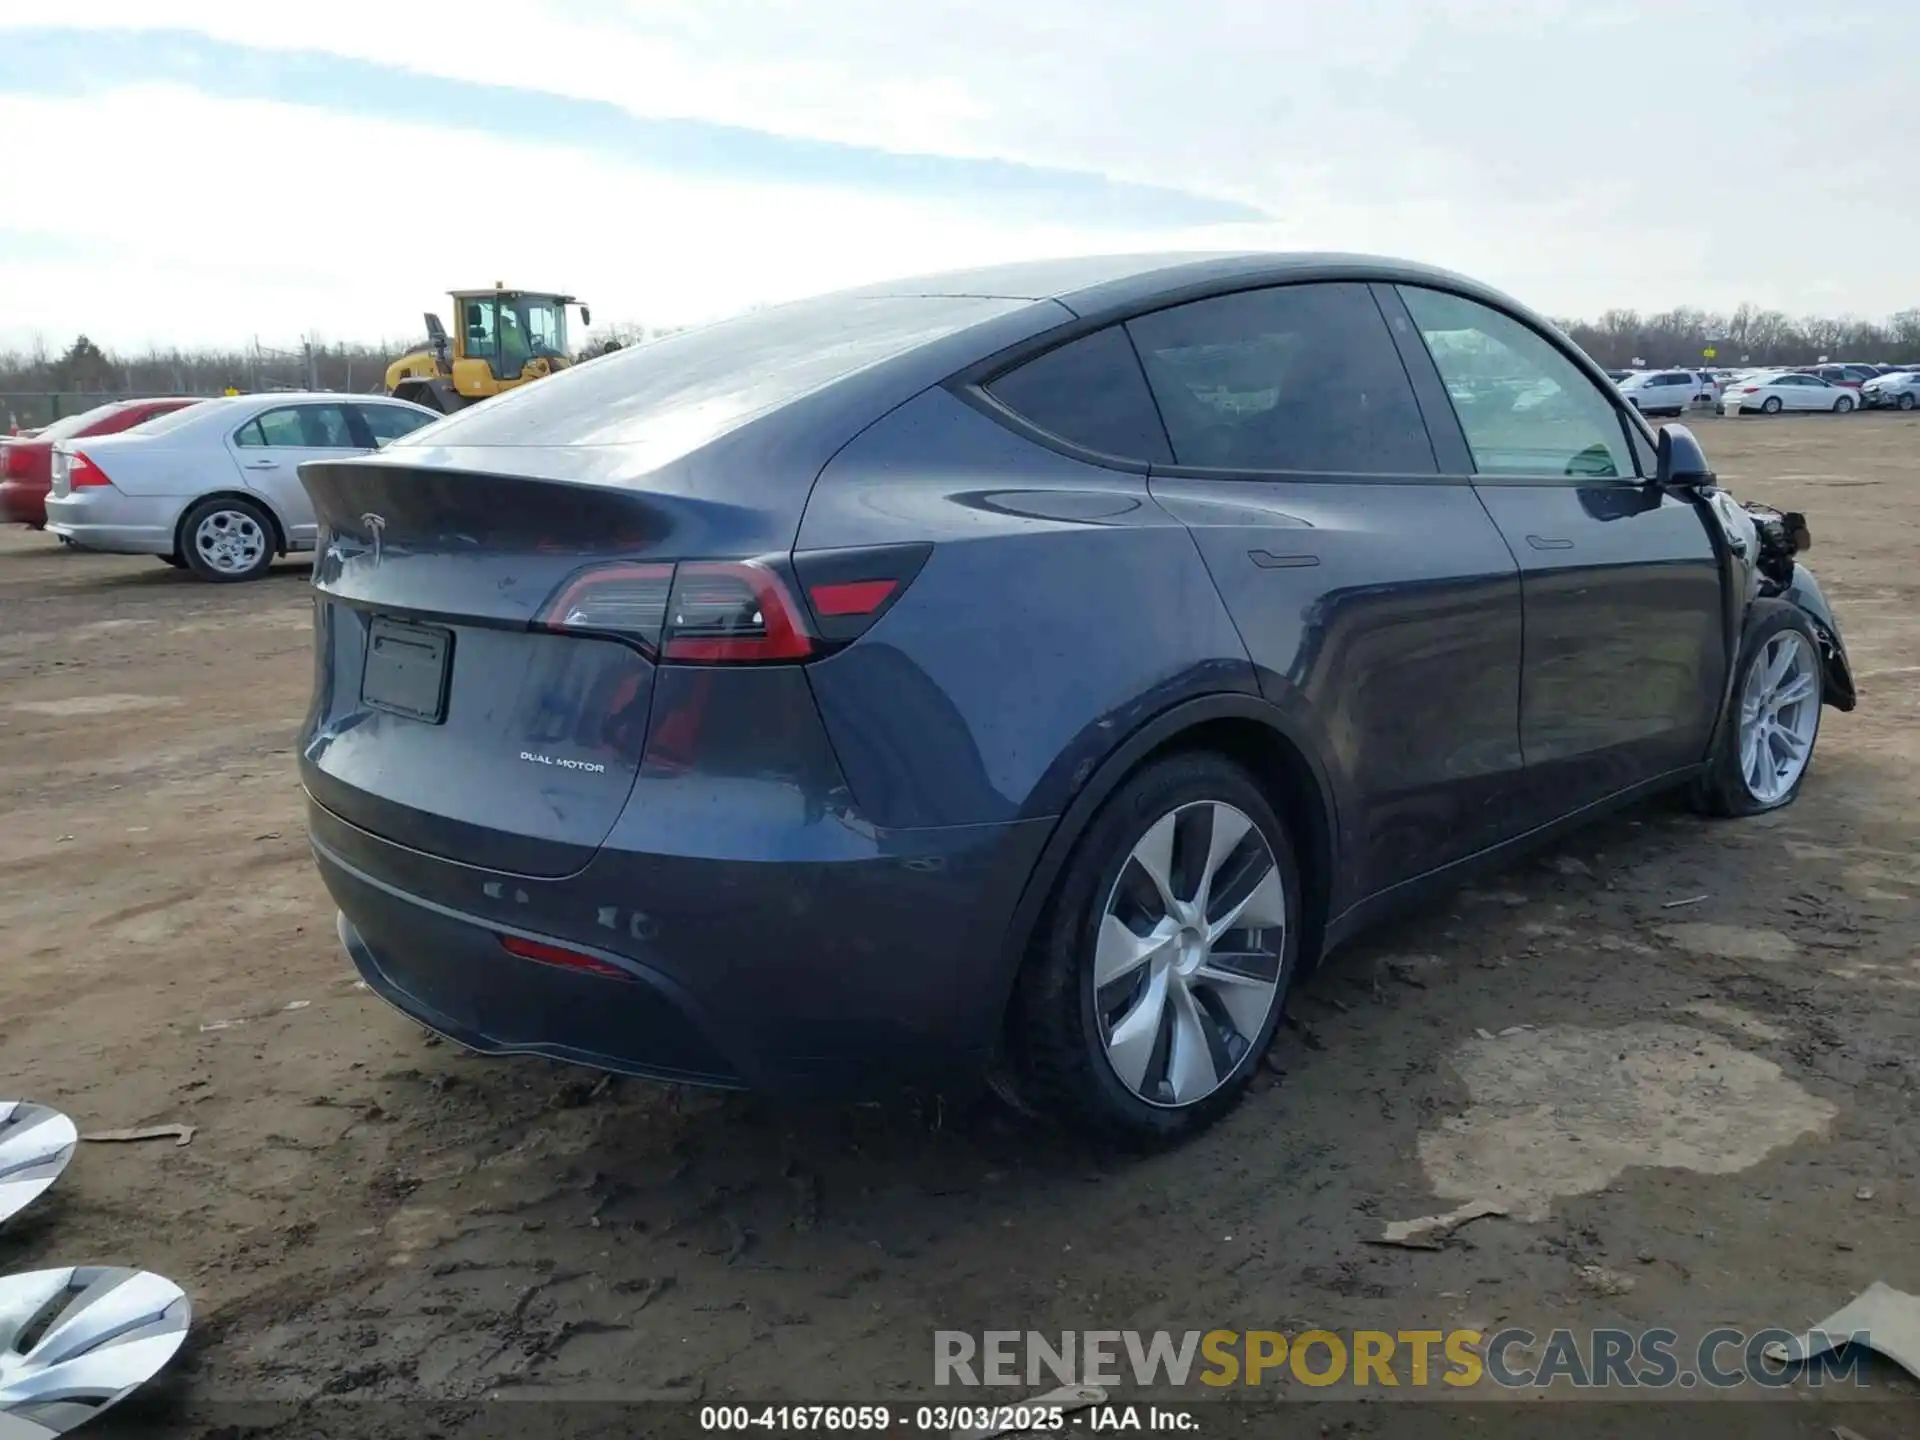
[1667, 392]
[1899, 390]
[1784, 390]
[215, 488]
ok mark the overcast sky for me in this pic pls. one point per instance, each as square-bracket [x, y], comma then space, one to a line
[188, 171]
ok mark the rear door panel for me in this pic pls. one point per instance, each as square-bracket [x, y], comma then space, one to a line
[1367, 581]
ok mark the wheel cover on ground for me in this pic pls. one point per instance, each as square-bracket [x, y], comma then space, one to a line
[230, 541]
[1779, 714]
[1187, 965]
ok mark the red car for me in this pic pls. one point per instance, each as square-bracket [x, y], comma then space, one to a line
[26, 465]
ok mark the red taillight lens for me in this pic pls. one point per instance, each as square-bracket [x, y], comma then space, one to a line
[624, 600]
[706, 612]
[850, 589]
[82, 473]
[733, 612]
[851, 597]
[16, 461]
[557, 955]
[1749, 389]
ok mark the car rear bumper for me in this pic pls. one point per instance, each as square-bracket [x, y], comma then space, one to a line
[787, 967]
[105, 519]
[22, 503]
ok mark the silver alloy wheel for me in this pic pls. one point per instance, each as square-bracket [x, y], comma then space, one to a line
[35, 1145]
[1186, 969]
[230, 541]
[74, 1341]
[1779, 715]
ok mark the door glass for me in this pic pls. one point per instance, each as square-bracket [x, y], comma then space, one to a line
[249, 436]
[477, 317]
[1296, 377]
[1089, 392]
[325, 427]
[279, 428]
[390, 422]
[1526, 408]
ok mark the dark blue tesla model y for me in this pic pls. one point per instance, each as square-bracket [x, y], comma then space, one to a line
[1020, 673]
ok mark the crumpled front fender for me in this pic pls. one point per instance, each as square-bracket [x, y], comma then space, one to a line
[1837, 673]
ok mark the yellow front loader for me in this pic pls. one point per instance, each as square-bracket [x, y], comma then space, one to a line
[501, 339]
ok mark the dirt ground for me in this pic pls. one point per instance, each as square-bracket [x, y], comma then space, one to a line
[1707, 1118]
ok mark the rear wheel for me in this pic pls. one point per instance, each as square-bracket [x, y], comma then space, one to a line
[1766, 743]
[1906, 401]
[1843, 405]
[226, 539]
[1771, 405]
[1163, 962]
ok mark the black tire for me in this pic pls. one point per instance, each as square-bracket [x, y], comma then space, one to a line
[1723, 790]
[1905, 402]
[1055, 1034]
[174, 560]
[204, 567]
[1843, 405]
[1771, 405]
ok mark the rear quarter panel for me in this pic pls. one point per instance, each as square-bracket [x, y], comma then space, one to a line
[1061, 610]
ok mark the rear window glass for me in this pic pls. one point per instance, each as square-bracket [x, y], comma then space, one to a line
[176, 419]
[71, 426]
[678, 393]
[1089, 392]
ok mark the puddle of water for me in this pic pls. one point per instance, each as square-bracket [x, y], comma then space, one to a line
[1565, 1111]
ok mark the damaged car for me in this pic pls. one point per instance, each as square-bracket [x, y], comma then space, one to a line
[1023, 673]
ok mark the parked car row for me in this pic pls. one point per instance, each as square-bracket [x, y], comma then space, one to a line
[209, 486]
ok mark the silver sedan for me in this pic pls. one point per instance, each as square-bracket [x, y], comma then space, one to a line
[215, 488]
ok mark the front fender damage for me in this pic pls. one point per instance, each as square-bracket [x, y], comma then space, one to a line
[1781, 537]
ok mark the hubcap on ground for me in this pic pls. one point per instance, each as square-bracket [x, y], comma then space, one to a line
[1187, 966]
[230, 541]
[1779, 713]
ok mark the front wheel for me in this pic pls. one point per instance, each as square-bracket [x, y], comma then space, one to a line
[1843, 405]
[1765, 745]
[1771, 405]
[227, 539]
[1162, 966]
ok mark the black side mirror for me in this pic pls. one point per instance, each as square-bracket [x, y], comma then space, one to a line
[1679, 458]
[586, 317]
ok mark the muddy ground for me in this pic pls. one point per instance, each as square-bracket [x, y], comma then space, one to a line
[1708, 1119]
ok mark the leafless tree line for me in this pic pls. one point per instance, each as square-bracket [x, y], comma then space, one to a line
[1617, 338]
[1748, 336]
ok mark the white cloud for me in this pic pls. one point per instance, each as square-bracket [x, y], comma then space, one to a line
[1577, 153]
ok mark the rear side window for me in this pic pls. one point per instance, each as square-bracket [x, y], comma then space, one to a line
[1090, 393]
[1297, 377]
[390, 422]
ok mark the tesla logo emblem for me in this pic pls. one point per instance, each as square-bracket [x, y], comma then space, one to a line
[375, 525]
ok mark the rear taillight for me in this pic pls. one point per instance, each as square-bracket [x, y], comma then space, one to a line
[16, 461]
[1749, 389]
[727, 612]
[82, 472]
[849, 590]
[711, 612]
